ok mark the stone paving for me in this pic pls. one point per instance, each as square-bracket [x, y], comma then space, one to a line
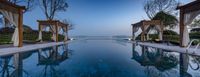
[26, 48]
[171, 48]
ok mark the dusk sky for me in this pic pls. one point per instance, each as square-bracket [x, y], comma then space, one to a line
[97, 17]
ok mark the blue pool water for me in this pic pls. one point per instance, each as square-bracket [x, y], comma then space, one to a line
[99, 58]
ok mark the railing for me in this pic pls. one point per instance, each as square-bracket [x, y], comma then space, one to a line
[191, 44]
[196, 47]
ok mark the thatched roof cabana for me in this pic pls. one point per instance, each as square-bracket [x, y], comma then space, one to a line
[55, 27]
[14, 14]
[188, 13]
[144, 25]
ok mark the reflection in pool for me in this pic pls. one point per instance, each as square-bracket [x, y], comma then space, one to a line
[99, 58]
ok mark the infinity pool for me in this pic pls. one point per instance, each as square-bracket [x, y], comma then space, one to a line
[99, 58]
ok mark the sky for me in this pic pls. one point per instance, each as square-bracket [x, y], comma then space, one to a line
[97, 17]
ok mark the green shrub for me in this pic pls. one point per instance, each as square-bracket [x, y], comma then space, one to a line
[169, 32]
[195, 35]
[6, 30]
[30, 36]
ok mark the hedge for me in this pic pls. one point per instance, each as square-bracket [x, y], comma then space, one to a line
[30, 36]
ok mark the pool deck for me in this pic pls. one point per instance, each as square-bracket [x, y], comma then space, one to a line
[171, 48]
[26, 48]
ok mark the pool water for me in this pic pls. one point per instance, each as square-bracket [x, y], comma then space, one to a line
[99, 58]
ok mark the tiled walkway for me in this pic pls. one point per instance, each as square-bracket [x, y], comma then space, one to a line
[171, 48]
[12, 50]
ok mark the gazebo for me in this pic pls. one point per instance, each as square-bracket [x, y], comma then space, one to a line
[55, 27]
[144, 25]
[188, 13]
[14, 14]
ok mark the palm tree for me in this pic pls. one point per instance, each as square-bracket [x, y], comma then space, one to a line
[168, 20]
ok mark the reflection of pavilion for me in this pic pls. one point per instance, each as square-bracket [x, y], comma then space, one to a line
[50, 58]
[186, 63]
[165, 63]
[12, 66]
[158, 59]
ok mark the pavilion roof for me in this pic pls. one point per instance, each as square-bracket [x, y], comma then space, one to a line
[147, 22]
[190, 7]
[52, 22]
[4, 4]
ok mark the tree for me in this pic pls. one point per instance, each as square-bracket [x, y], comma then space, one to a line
[167, 19]
[70, 24]
[52, 7]
[152, 7]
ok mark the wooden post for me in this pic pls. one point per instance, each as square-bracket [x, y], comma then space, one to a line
[133, 35]
[56, 31]
[67, 32]
[181, 26]
[20, 27]
[142, 35]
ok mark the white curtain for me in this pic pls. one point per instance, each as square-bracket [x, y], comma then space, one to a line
[42, 27]
[146, 27]
[147, 37]
[188, 18]
[54, 32]
[65, 34]
[59, 28]
[135, 29]
[5, 22]
[145, 31]
[158, 27]
[13, 19]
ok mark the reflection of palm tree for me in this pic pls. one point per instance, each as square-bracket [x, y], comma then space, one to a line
[51, 58]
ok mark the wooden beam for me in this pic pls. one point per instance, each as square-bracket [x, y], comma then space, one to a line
[192, 8]
[20, 27]
[133, 35]
[181, 26]
[189, 5]
[5, 5]
[12, 4]
[57, 31]
[67, 32]
[142, 35]
[152, 22]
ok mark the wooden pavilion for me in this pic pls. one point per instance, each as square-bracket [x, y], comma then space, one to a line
[55, 27]
[14, 14]
[144, 25]
[188, 13]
